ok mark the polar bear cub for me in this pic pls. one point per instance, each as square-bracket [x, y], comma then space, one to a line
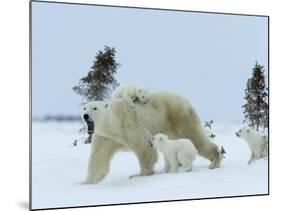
[131, 93]
[258, 143]
[178, 154]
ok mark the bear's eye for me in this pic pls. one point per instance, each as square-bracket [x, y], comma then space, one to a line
[95, 108]
[239, 131]
[84, 108]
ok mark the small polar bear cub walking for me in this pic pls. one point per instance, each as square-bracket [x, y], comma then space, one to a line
[178, 154]
[131, 93]
[257, 143]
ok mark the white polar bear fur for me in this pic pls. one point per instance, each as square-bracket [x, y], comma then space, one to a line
[117, 126]
[258, 143]
[131, 93]
[178, 154]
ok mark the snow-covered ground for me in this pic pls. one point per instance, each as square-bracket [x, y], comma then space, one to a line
[58, 168]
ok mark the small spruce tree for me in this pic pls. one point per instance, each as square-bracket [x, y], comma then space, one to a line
[100, 80]
[256, 96]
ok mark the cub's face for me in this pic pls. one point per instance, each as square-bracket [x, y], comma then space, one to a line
[91, 112]
[157, 140]
[243, 132]
[142, 95]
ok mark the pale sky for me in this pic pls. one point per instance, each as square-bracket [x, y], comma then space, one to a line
[206, 58]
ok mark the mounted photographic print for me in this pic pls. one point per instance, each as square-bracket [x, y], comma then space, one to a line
[136, 105]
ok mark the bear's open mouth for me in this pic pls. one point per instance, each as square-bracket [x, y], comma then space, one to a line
[150, 143]
[91, 126]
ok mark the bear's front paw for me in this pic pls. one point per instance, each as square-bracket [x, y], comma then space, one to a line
[250, 161]
[173, 171]
[186, 169]
[88, 182]
[143, 173]
[85, 183]
[163, 171]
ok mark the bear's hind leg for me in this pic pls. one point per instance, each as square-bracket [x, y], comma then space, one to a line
[207, 149]
[147, 157]
[186, 163]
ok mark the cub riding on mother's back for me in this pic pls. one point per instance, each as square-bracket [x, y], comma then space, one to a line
[131, 93]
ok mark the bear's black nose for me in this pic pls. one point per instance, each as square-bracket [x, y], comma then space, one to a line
[86, 117]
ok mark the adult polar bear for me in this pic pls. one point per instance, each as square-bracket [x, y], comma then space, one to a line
[116, 125]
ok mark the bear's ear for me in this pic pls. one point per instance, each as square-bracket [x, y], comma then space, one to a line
[160, 139]
[106, 105]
